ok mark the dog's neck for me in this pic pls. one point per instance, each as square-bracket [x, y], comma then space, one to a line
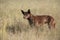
[30, 19]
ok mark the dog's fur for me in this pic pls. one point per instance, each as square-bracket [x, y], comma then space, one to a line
[39, 20]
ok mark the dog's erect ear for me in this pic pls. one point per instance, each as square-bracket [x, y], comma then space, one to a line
[28, 10]
[22, 11]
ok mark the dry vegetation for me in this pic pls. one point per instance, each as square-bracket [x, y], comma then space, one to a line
[14, 27]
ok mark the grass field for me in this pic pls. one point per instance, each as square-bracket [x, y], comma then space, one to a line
[14, 27]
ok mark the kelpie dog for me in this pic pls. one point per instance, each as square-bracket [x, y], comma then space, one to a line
[39, 20]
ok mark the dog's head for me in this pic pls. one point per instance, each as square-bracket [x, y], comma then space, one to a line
[26, 14]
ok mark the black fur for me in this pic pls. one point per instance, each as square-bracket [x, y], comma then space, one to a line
[30, 22]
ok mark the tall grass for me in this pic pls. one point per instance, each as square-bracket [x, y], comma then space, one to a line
[14, 27]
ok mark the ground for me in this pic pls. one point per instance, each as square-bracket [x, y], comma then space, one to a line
[14, 27]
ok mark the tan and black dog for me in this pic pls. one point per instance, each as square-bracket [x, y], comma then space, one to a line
[38, 20]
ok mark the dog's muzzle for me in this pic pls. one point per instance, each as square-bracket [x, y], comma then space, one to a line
[26, 17]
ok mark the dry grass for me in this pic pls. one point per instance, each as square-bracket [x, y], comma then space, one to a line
[14, 27]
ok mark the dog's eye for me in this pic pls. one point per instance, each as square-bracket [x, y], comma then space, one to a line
[27, 15]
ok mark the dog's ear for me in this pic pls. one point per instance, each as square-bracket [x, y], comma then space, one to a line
[22, 11]
[29, 11]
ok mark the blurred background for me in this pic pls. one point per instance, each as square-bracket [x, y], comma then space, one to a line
[14, 27]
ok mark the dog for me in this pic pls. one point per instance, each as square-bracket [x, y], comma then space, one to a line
[38, 19]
